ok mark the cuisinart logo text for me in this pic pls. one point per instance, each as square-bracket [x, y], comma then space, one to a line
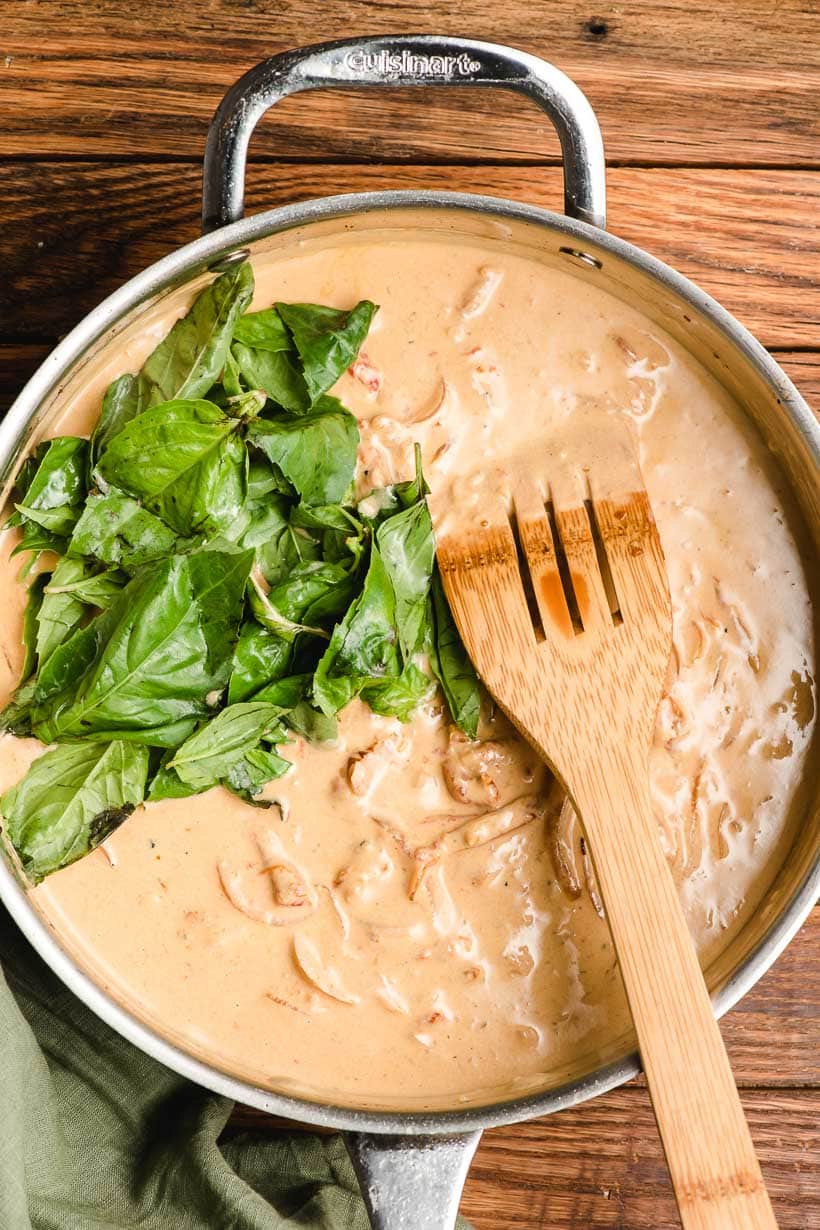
[409, 64]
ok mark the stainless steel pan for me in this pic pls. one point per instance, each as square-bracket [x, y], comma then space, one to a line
[412, 1165]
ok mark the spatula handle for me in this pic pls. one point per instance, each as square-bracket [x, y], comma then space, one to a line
[712, 1162]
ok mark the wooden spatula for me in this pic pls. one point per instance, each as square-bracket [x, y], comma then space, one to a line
[563, 606]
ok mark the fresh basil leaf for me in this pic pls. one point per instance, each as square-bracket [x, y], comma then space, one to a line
[406, 545]
[15, 716]
[24, 476]
[266, 480]
[451, 664]
[287, 692]
[384, 502]
[186, 461]
[116, 529]
[288, 538]
[316, 451]
[399, 697]
[276, 373]
[35, 539]
[343, 536]
[314, 591]
[70, 800]
[286, 546]
[414, 489]
[121, 403]
[324, 517]
[16, 713]
[327, 339]
[259, 658]
[167, 646]
[255, 770]
[326, 342]
[264, 515]
[167, 784]
[231, 382]
[59, 477]
[31, 617]
[191, 357]
[169, 735]
[55, 487]
[69, 660]
[275, 620]
[304, 719]
[58, 521]
[211, 753]
[263, 331]
[60, 613]
[98, 590]
[363, 647]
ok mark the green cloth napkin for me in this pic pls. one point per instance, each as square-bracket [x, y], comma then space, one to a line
[94, 1135]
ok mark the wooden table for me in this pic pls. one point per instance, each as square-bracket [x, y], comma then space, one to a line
[710, 118]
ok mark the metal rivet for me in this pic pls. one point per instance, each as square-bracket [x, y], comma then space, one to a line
[583, 257]
[233, 258]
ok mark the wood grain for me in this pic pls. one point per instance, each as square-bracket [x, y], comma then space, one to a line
[73, 232]
[675, 84]
[599, 1166]
[17, 363]
[773, 1035]
[672, 82]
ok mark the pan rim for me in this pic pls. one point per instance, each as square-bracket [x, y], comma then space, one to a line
[172, 269]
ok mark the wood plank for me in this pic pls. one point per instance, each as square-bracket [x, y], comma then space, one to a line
[679, 81]
[675, 82]
[600, 1166]
[17, 363]
[72, 232]
[773, 1035]
[804, 370]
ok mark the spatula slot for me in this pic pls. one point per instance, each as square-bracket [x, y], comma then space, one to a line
[564, 572]
[526, 578]
[603, 565]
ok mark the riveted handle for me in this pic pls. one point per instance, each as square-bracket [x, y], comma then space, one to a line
[402, 60]
[411, 1182]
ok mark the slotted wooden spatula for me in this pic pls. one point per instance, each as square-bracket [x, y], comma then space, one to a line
[563, 606]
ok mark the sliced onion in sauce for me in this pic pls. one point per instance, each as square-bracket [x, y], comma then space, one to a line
[276, 862]
[324, 977]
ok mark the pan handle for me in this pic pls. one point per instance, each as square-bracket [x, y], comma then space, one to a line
[411, 1182]
[402, 60]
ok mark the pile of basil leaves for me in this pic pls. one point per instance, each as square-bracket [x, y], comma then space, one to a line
[216, 587]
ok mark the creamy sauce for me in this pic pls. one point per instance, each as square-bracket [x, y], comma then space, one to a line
[416, 922]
